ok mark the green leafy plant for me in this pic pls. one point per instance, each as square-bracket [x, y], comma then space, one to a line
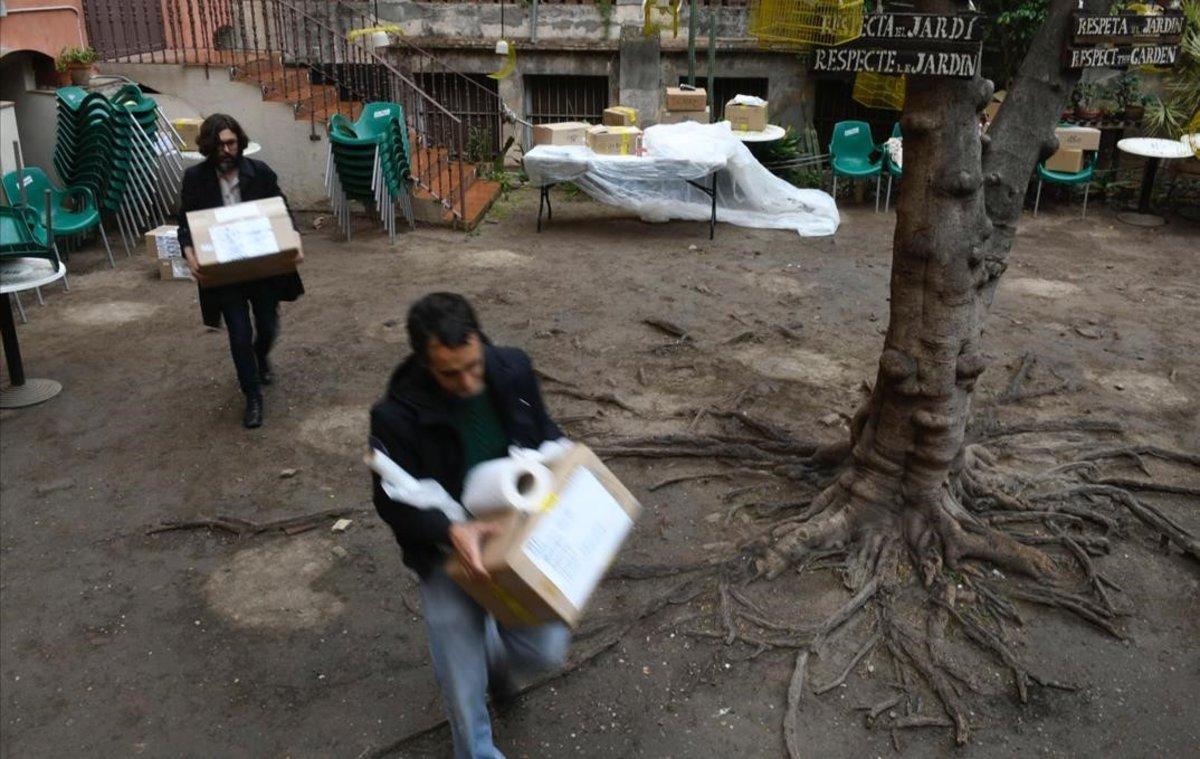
[479, 146]
[1008, 39]
[605, 9]
[784, 158]
[1177, 112]
[75, 57]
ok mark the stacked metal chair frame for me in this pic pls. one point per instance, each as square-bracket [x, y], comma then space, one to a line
[368, 161]
[122, 149]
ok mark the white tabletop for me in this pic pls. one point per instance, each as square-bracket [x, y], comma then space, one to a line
[17, 274]
[1151, 147]
[193, 156]
[1192, 141]
[770, 134]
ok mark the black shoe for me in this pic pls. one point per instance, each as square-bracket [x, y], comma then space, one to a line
[254, 413]
[265, 375]
[503, 689]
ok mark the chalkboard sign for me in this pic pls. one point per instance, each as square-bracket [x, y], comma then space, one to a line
[921, 44]
[892, 61]
[923, 27]
[1096, 28]
[1120, 57]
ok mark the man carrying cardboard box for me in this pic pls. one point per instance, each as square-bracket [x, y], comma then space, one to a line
[455, 402]
[226, 178]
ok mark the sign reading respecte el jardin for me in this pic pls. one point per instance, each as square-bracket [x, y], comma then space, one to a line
[1100, 41]
[923, 44]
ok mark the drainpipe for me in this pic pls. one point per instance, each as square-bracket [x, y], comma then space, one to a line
[712, 63]
[72, 8]
[533, 23]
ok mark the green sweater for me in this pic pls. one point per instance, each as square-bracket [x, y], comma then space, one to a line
[479, 427]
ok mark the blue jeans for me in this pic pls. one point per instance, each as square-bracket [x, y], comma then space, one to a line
[249, 350]
[466, 642]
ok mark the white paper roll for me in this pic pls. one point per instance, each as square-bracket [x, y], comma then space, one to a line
[506, 484]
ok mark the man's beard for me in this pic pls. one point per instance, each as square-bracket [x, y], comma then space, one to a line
[226, 163]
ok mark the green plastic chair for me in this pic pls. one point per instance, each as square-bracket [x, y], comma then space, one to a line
[23, 236]
[65, 220]
[850, 154]
[1081, 177]
[890, 167]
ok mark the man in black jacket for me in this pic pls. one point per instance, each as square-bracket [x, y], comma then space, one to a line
[226, 177]
[457, 401]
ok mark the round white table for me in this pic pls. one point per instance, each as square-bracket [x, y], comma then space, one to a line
[770, 134]
[17, 274]
[193, 157]
[1154, 150]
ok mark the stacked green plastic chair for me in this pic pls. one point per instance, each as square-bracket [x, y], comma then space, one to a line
[120, 148]
[369, 162]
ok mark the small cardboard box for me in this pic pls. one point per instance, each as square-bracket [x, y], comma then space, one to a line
[1069, 161]
[622, 140]
[678, 117]
[174, 268]
[1078, 138]
[563, 133]
[244, 242]
[189, 130]
[545, 565]
[620, 115]
[683, 99]
[746, 118]
[163, 242]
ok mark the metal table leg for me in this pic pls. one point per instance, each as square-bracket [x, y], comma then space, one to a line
[1143, 216]
[22, 392]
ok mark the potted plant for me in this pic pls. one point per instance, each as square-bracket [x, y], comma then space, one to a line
[1086, 96]
[62, 74]
[1130, 97]
[78, 62]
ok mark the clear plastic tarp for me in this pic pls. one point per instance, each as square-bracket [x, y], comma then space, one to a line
[654, 185]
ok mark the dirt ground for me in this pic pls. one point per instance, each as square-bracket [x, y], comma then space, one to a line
[115, 643]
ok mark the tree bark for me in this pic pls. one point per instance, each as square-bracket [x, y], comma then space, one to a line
[962, 195]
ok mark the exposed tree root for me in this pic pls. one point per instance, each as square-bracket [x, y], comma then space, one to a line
[244, 527]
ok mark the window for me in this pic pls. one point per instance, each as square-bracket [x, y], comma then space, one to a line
[565, 98]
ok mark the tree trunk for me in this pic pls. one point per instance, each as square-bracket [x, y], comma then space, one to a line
[956, 218]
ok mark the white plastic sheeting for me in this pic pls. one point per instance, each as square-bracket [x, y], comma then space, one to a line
[654, 185]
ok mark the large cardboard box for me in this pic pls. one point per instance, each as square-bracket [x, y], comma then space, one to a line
[1069, 161]
[620, 115]
[163, 242]
[683, 99]
[746, 118]
[615, 140]
[244, 242]
[563, 133]
[189, 130]
[174, 268]
[678, 117]
[544, 566]
[1078, 138]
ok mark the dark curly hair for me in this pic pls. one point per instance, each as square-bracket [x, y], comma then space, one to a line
[209, 140]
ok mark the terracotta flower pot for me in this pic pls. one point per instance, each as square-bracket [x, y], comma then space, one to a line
[1087, 114]
[80, 75]
[62, 78]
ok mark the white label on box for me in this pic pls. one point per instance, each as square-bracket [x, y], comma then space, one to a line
[179, 269]
[576, 540]
[243, 239]
[240, 211]
[168, 245]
